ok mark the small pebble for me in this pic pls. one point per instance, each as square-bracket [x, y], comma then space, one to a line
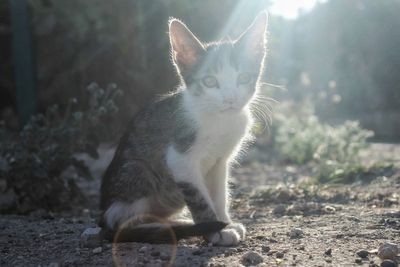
[97, 250]
[358, 260]
[328, 252]
[363, 253]
[388, 251]
[296, 233]
[144, 249]
[330, 209]
[280, 255]
[388, 263]
[265, 249]
[91, 237]
[252, 258]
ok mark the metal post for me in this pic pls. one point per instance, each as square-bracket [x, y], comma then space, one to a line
[24, 67]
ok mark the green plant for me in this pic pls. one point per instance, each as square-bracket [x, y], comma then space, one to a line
[333, 152]
[35, 158]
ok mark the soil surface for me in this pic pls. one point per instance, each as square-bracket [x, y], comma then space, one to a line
[289, 223]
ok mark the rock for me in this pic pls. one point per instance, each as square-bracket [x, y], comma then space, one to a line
[252, 258]
[330, 209]
[296, 233]
[358, 261]
[328, 252]
[265, 249]
[54, 264]
[388, 263]
[362, 253]
[280, 255]
[97, 250]
[388, 251]
[91, 237]
[144, 249]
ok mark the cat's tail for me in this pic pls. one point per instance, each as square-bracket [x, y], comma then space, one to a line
[158, 233]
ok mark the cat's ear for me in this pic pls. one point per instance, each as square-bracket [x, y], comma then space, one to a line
[252, 43]
[186, 48]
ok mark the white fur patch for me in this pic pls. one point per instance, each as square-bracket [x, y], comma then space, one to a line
[225, 237]
[120, 212]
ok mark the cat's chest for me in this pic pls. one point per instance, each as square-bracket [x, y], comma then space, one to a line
[217, 139]
[218, 136]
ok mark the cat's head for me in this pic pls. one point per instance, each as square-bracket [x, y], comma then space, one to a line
[220, 76]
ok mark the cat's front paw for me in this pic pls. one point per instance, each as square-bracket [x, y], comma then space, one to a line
[230, 236]
[239, 228]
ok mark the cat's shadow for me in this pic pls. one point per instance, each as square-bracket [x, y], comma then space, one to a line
[183, 254]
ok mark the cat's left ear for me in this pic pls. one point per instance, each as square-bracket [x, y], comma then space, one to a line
[186, 48]
[252, 43]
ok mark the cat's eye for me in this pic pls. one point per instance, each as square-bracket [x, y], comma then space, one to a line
[244, 78]
[210, 81]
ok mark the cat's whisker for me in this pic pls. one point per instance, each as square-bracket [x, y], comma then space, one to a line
[262, 115]
[262, 85]
[263, 105]
[265, 98]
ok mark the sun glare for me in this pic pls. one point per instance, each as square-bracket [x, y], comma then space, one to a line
[290, 9]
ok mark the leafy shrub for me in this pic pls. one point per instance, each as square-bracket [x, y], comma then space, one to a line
[34, 159]
[333, 151]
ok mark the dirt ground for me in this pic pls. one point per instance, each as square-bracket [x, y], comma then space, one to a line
[288, 225]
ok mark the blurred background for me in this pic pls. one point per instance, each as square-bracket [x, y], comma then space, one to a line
[329, 61]
[343, 56]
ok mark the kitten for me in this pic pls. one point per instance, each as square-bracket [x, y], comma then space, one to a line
[177, 152]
